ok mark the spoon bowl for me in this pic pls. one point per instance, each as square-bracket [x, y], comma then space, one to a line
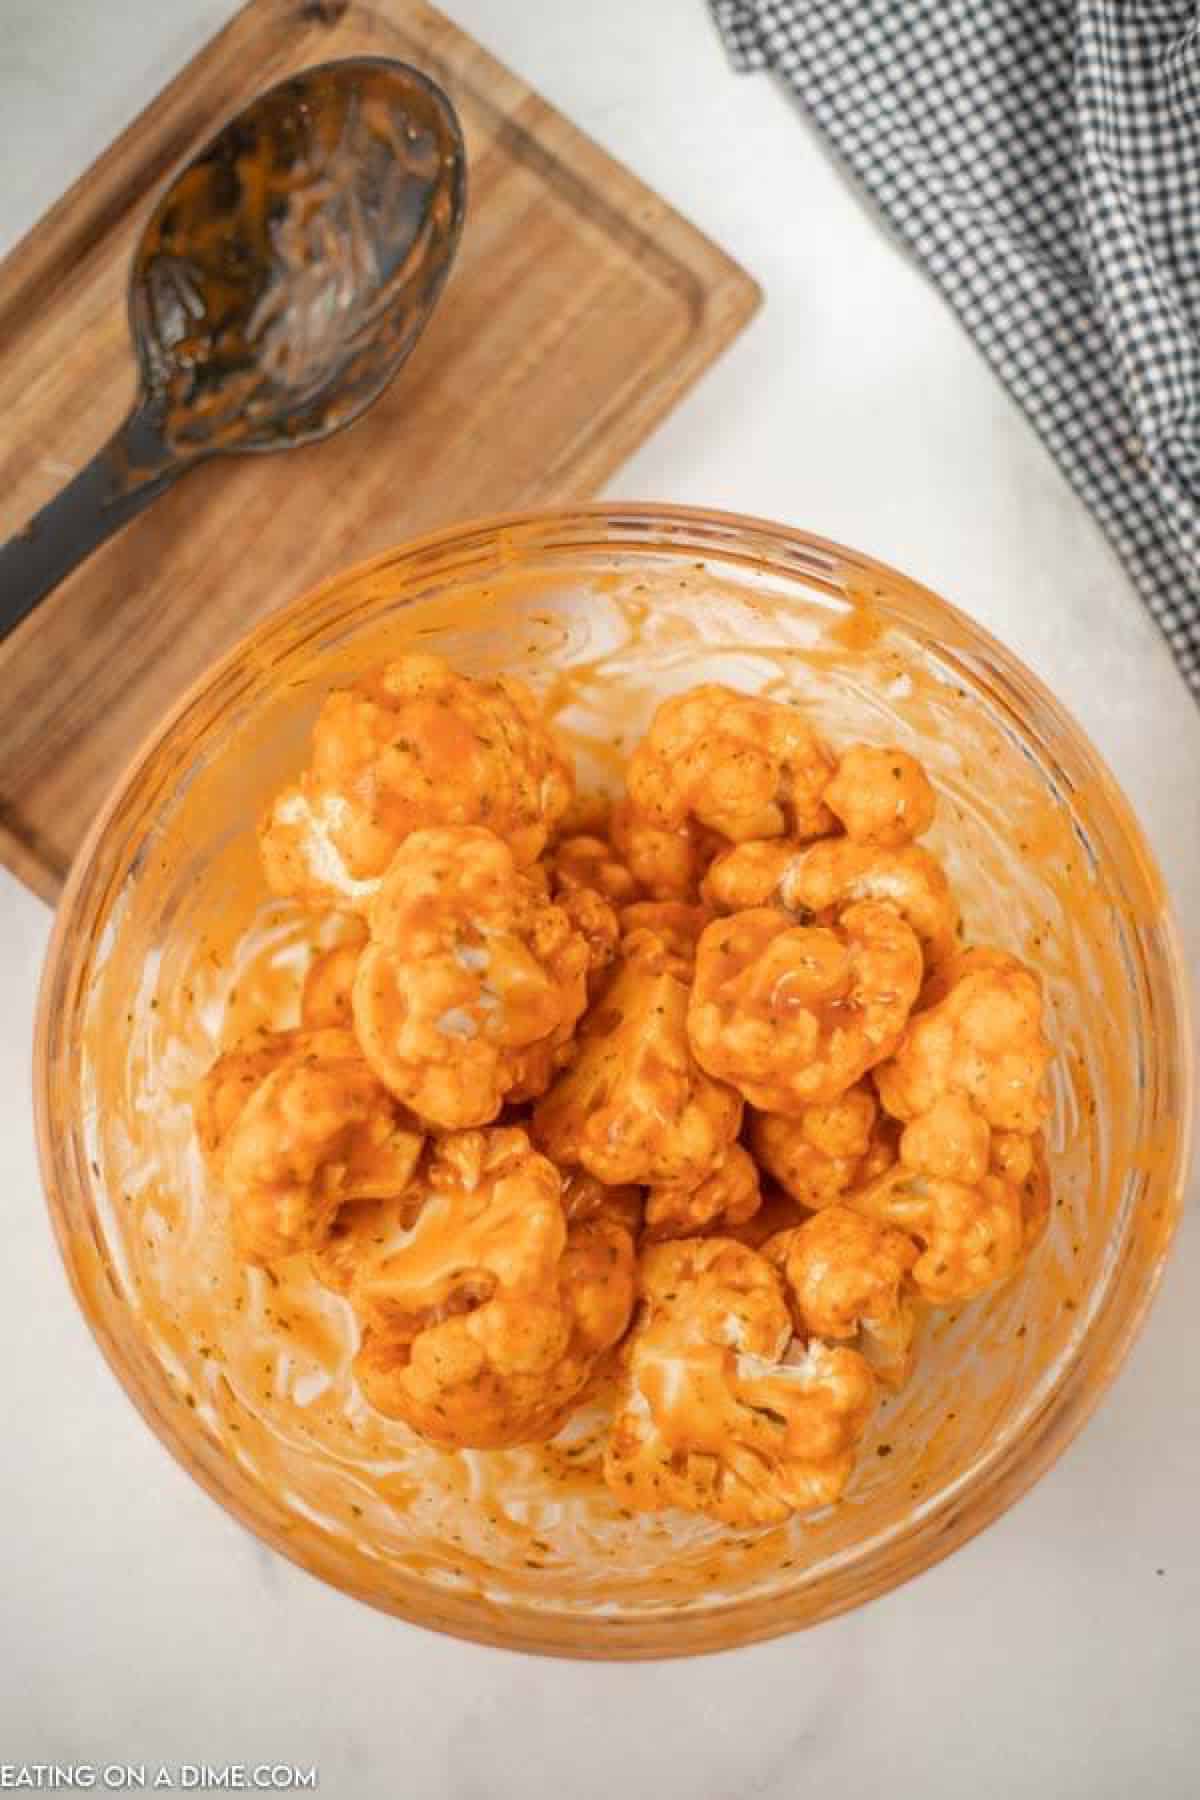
[281, 281]
[285, 276]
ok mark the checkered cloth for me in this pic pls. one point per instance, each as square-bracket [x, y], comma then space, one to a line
[1042, 159]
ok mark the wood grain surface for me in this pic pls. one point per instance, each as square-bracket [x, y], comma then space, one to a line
[580, 308]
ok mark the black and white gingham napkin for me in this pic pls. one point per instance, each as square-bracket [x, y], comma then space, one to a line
[1042, 159]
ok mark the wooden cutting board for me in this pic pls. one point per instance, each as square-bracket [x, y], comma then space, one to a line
[579, 309]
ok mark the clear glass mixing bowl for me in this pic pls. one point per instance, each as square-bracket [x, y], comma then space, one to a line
[247, 1381]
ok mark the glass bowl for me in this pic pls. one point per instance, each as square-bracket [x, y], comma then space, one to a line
[246, 1376]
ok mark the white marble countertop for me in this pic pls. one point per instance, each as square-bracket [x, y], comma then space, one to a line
[1057, 1654]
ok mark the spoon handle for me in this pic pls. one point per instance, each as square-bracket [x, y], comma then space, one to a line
[133, 468]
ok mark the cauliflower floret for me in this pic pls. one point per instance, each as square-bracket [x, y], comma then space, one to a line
[951, 1141]
[471, 984]
[717, 1416]
[989, 1197]
[728, 1197]
[815, 884]
[234, 1076]
[409, 746]
[589, 882]
[819, 1153]
[635, 1106]
[835, 873]
[972, 1237]
[325, 1000]
[881, 796]
[485, 1326]
[598, 1284]
[749, 875]
[975, 961]
[845, 1277]
[792, 1016]
[742, 766]
[293, 1128]
[591, 862]
[982, 1038]
[666, 862]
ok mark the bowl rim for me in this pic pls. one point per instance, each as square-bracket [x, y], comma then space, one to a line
[1044, 1447]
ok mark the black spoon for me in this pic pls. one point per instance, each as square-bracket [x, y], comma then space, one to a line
[282, 280]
